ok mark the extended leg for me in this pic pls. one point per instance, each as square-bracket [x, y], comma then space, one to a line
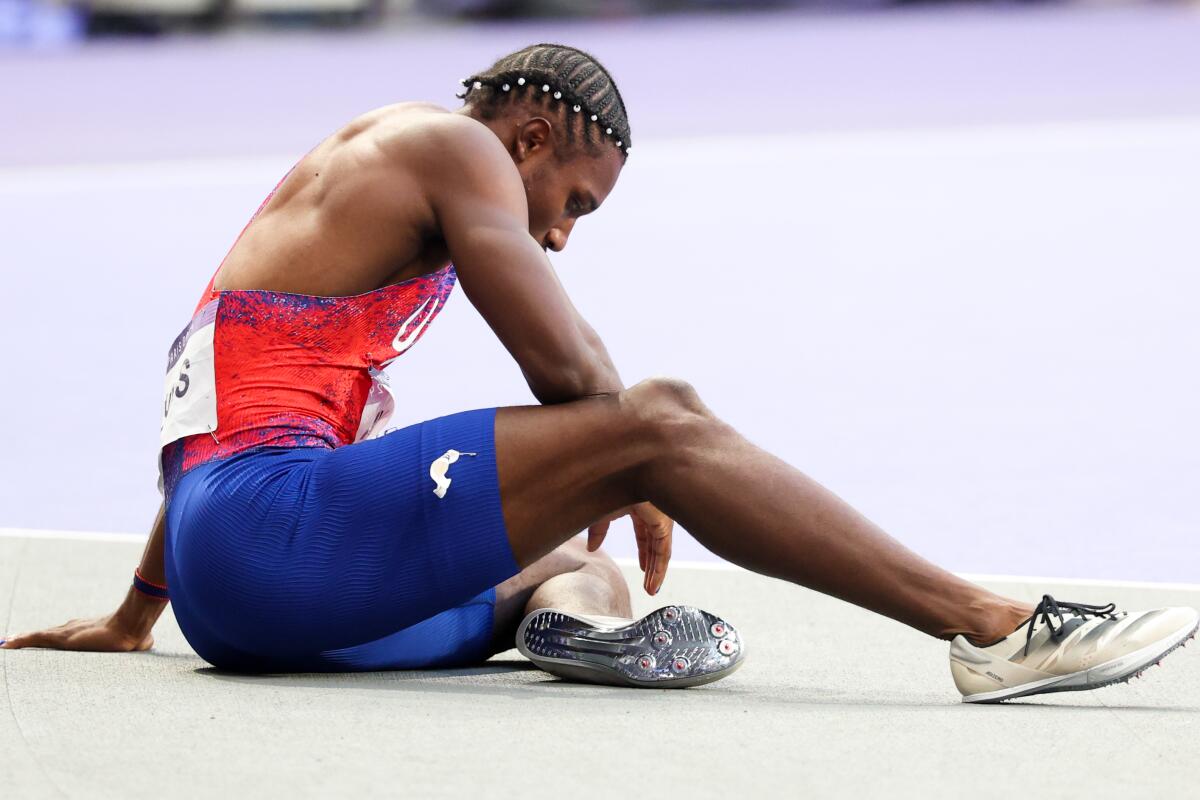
[563, 467]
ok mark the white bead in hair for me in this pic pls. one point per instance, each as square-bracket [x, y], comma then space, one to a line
[478, 84]
[608, 131]
[558, 95]
[545, 87]
[505, 87]
[520, 81]
[594, 118]
[577, 109]
[618, 142]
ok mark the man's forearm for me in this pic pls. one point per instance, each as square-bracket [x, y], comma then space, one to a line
[139, 611]
[152, 566]
[606, 380]
[590, 373]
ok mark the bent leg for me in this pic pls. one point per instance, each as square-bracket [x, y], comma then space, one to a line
[570, 579]
[457, 637]
[563, 467]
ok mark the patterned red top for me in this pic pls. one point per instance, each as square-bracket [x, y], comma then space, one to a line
[296, 370]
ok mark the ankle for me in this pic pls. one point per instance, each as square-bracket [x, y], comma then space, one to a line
[989, 619]
[581, 592]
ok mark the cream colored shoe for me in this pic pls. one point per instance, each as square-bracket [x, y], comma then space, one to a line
[1069, 647]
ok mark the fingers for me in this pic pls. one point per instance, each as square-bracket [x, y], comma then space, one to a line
[662, 551]
[646, 554]
[660, 557]
[596, 534]
[651, 567]
[95, 635]
[654, 550]
[664, 561]
[652, 530]
[643, 540]
[37, 639]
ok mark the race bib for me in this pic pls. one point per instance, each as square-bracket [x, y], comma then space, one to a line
[190, 387]
[377, 410]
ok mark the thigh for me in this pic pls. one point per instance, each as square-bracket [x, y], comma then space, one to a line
[472, 632]
[456, 637]
[563, 467]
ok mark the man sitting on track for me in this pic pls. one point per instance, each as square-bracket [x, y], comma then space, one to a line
[294, 537]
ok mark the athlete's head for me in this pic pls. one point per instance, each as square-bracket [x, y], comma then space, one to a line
[560, 114]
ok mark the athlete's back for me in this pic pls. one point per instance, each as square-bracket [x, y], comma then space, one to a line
[352, 215]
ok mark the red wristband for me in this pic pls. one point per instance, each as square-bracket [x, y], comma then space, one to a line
[147, 588]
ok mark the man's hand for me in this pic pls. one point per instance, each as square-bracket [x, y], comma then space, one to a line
[125, 630]
[103, 634]
[652, 528]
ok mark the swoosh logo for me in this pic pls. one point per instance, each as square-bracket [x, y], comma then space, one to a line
[402, 341]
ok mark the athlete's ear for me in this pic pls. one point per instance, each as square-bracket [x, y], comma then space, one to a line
[534, 136]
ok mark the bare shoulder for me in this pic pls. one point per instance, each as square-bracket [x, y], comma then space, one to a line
[448, 149]
[415, 165]
[432, 131]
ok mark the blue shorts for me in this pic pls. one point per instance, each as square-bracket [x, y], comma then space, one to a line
[357, 558]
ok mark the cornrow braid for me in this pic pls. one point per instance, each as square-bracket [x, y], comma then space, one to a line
[555, 75]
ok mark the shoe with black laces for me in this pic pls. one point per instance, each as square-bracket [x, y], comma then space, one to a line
[671, 648]
[1069, 647]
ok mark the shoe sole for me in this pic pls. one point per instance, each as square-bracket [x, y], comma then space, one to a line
[1119, 670]
[672, 648]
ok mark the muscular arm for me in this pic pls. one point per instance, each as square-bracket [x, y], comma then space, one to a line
[479, 202]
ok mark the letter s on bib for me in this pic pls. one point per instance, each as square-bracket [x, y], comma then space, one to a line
[190, 386]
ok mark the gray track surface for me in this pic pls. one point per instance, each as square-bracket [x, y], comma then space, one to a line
[833, 702]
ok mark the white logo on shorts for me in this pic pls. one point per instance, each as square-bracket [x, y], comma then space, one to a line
[439, 468]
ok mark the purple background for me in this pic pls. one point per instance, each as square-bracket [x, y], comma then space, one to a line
[944, 261]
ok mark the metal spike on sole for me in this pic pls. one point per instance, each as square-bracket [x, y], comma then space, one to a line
[671, 648]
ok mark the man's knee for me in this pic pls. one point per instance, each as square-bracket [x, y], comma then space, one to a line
[666, 407]
[575, 557]
[600, 566]
[571, 558]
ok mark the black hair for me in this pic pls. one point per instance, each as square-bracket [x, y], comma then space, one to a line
[552, 75]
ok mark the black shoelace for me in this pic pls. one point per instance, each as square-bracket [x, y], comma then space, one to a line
[1050, 609]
